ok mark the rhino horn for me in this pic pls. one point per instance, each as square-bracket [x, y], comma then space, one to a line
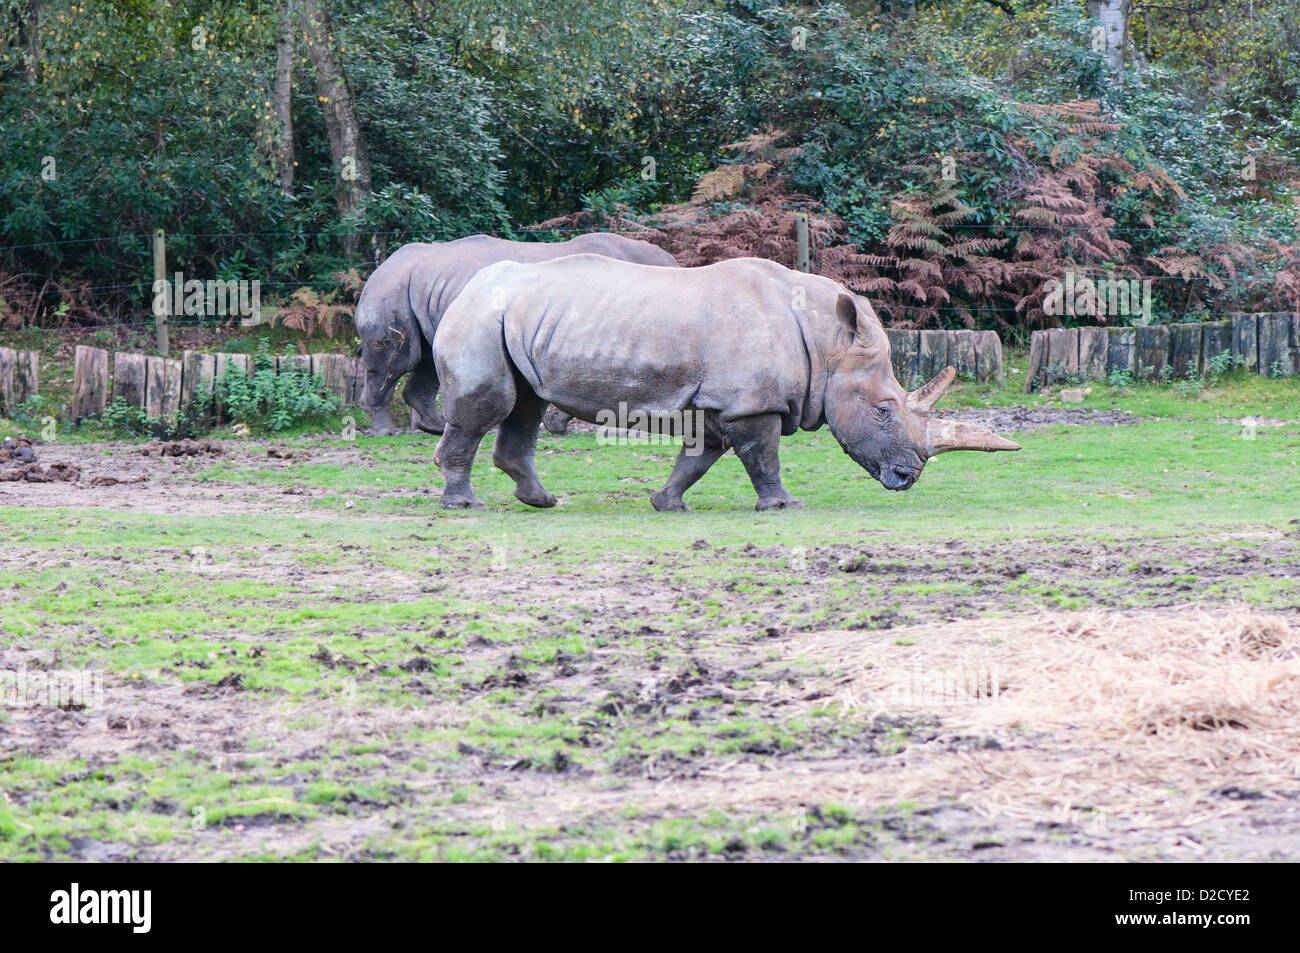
[920, 401]
[943, 435]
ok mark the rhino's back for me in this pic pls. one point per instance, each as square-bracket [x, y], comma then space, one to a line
[423, 280]
[589, 333]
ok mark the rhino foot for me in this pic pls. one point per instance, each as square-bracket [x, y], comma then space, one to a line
[422, 424]
[555, 420]
[778, 503]
[542, 500]
[462, 503]
[669, 504]
[383, 431]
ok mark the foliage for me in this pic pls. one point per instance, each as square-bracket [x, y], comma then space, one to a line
[952, 156]
[268, 401]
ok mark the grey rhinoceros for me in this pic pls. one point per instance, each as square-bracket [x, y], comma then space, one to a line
[756, 349]
[405, 298]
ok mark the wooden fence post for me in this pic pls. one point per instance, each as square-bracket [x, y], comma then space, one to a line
[1092, 353]
[1185, 349]
[89, 382]
[1295, 343]
[27, 376]
[961, 352]
[129, 379]
[1121, 351]
[1037, 359]
[988, 357]
[8, 369]
[1216, 338]
[160, 274]
[1245, 341]
[1275, 344]
[903, 349]
[802, 262]
[932, 353]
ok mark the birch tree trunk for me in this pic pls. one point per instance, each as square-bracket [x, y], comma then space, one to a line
[1113, 16]
[281, 92]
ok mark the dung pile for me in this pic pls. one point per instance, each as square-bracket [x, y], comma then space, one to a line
[16, 451]
[183, 448]
[18, 462]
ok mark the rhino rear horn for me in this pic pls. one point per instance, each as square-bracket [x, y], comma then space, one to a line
[943, 435]
[921, 400]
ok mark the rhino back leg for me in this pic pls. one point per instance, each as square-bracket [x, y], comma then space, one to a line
[692, 463]
[455, 454]
[478, 392]
[757, 441]
[516, 442]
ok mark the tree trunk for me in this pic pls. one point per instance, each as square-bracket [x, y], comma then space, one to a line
[351, 164]
[1113, 15]
[31, 32]
[282, 91]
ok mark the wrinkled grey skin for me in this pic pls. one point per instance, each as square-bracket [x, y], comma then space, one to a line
[403, 301]
[762, 350]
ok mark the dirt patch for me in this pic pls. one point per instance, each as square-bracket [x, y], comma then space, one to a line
[1027, 419]
[162, 477]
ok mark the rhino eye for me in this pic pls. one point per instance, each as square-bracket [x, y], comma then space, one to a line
[883, 411]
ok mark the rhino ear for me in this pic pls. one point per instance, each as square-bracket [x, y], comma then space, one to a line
[846, 310]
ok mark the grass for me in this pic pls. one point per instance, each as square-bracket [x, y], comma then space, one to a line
[416, 684]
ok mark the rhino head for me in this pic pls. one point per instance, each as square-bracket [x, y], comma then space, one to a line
[886, 430]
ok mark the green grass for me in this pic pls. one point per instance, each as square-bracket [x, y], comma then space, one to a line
[400, 668]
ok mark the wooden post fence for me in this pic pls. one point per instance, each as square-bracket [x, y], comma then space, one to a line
[1266, 344]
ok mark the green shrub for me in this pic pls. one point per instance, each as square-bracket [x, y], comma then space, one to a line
[266, 401]
[120, 418]
[1119, 379]
[1219, 365]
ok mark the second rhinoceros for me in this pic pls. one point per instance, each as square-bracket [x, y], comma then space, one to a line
[755, 349]
[404, 299]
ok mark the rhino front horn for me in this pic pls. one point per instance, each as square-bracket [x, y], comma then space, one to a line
[944, 435]
[921, 400]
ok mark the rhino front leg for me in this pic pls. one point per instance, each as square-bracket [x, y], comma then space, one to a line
[377, 399]
[757, 441]
[421, 394]
[692, 463]
[386, 357]
[516, 441]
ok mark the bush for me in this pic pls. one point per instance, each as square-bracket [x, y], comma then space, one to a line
[266, 401]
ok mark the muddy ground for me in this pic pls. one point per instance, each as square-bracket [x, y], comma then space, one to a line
[640, 678]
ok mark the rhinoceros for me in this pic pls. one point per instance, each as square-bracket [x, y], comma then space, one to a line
[403, 301]
[756, 349]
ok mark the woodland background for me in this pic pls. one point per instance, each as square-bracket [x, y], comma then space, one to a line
[951, 156]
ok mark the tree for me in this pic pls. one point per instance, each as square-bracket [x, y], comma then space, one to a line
[1113, 15]
[347, 148]
[282, 90]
